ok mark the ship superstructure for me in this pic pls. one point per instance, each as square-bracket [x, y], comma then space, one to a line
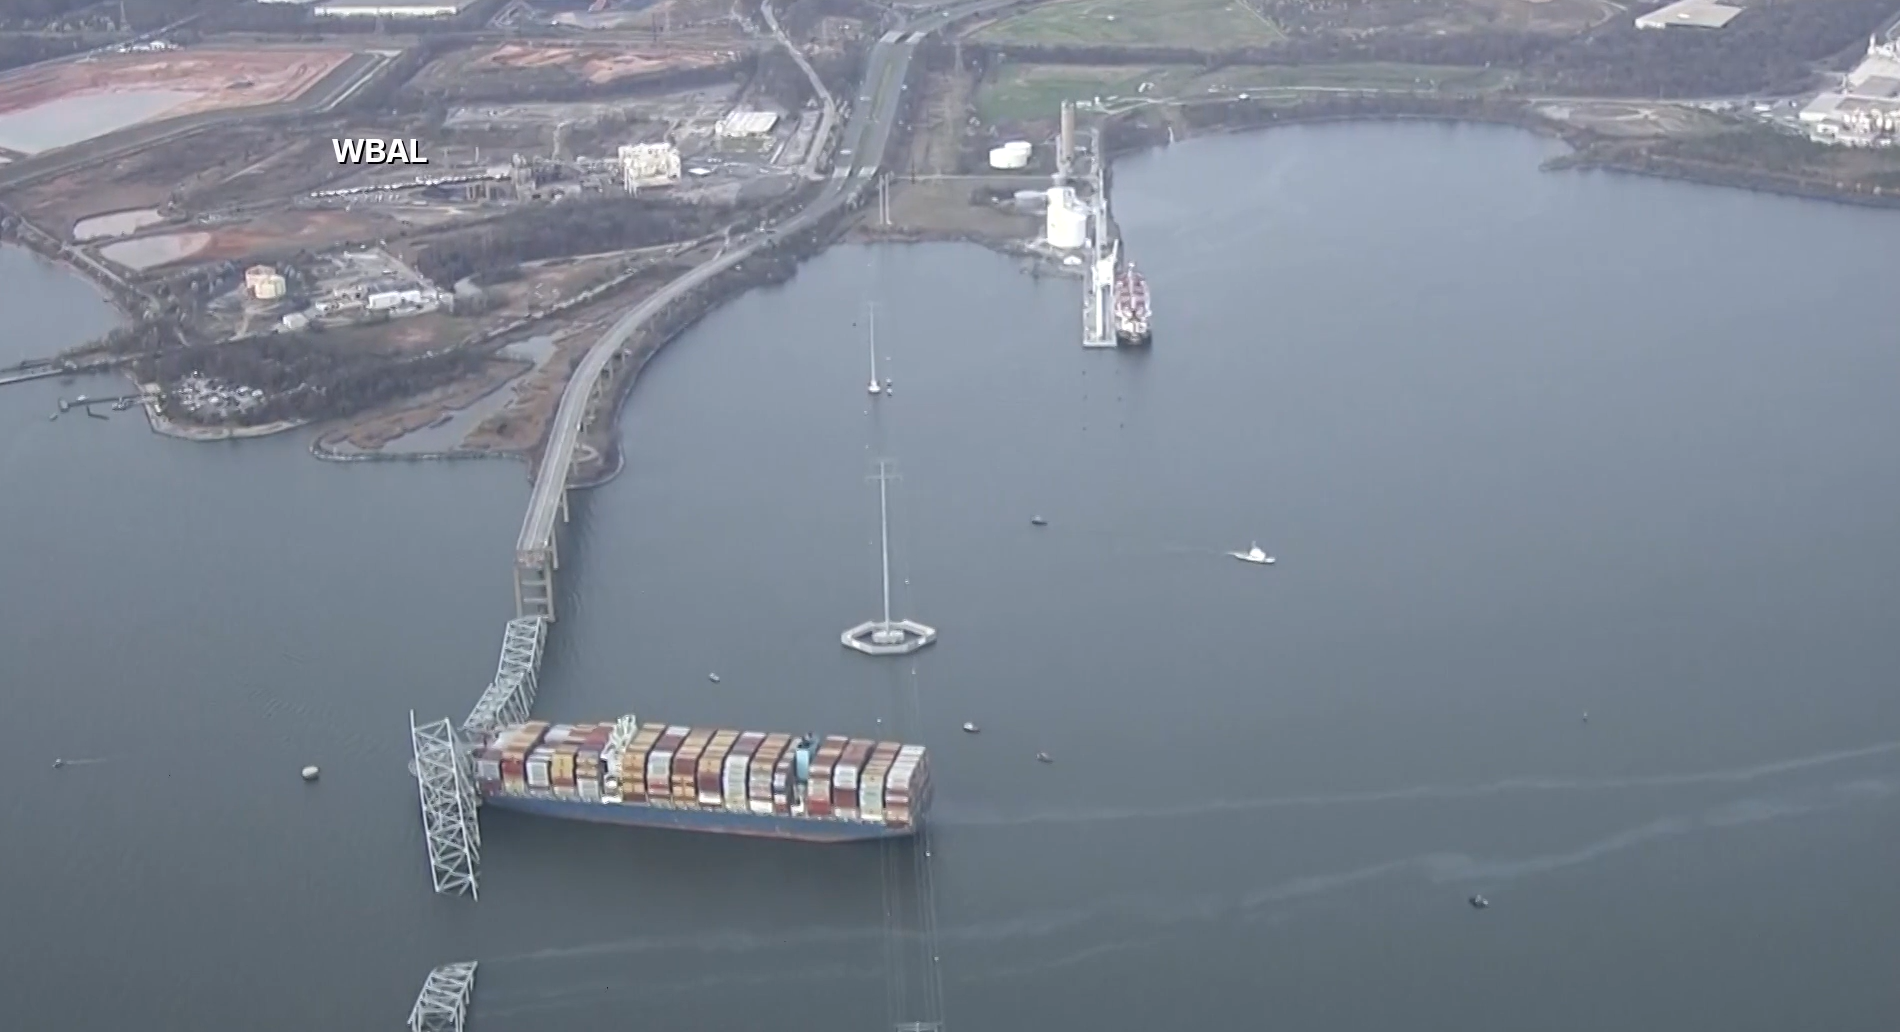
[771, 785]
[1132, 311]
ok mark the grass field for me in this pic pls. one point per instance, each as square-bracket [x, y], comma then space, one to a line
[1024, 92]
[1208, 24]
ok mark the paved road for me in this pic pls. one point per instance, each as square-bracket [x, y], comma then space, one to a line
[867, 131]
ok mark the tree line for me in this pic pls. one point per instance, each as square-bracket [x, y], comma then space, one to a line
[308, 375]
[587, 225]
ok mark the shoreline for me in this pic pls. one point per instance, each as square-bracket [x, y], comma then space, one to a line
[1124, 135]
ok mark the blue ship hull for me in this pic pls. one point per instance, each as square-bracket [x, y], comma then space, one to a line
[722, 822]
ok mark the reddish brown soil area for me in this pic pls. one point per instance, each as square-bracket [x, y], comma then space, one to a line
[220, 78]
[286, 230]
[597, 64]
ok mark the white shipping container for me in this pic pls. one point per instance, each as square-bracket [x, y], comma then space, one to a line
[710, 798]
[489, 770]
[537, 773]
[759, 805]
[736, 766]
[659, 766]
[846, 777]
[590, 791]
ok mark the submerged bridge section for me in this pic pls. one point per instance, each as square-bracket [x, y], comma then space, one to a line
[443, 1003]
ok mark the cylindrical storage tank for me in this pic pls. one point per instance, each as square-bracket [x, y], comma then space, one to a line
[1066, 224]
[1014, 154]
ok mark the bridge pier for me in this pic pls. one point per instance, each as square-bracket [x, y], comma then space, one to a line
[534, 582]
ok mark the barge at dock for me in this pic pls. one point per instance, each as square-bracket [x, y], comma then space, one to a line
[1132, 311]
[767, 785]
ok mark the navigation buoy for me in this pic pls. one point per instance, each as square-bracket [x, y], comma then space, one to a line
[310, 773]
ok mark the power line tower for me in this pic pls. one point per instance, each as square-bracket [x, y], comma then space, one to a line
[450, 826]
[887, 637]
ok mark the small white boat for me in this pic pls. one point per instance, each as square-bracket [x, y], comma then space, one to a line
[971, 728]
[876, 388]
[714, 678]
[1254, 555]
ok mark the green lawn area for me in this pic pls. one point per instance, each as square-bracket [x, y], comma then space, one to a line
[1022, 92]
[1209, 24]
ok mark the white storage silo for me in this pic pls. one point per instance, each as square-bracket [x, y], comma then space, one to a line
[1066, 226]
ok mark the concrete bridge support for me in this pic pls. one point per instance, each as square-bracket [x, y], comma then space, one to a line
[534, 574]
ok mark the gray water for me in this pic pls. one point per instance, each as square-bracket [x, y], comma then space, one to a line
[1527, 446]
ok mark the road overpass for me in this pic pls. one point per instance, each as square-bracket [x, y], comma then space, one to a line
[866, 133]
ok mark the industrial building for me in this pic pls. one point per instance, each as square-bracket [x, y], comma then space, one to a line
[263, 283]
[747, 123]
[1865, 110]
[1689, 14]
[373, 9]
[649, 164]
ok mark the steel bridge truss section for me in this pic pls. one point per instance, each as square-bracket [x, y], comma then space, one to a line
[443, 1003]
[510, 697]
[450, 825]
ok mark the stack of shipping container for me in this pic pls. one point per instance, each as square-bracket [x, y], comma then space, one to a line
[707, 769]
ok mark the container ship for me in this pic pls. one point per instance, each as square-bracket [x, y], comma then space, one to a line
[1131, 307]
[769, 785]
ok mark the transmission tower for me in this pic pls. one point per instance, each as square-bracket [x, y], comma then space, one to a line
[450, 826]
[443, 1003]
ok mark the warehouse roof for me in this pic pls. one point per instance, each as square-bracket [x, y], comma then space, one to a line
[1695, 14]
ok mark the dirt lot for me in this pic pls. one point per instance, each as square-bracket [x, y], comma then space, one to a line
[215, 77]
[593, 64]
[143, 179]
[943, 209]
[1633, 120]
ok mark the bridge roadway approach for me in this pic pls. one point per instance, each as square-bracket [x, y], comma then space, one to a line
[866, 132]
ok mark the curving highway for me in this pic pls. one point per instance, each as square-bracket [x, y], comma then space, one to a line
[866, 132]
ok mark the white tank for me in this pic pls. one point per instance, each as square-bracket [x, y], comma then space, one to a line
[1014, 154]
[1066, 225]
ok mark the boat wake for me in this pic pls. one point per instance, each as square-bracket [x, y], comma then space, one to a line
[1738, 775]
[1164, 915]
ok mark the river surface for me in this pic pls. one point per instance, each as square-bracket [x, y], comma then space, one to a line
[1527, 445]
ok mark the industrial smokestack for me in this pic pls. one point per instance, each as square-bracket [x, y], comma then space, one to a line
[1065, 145]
